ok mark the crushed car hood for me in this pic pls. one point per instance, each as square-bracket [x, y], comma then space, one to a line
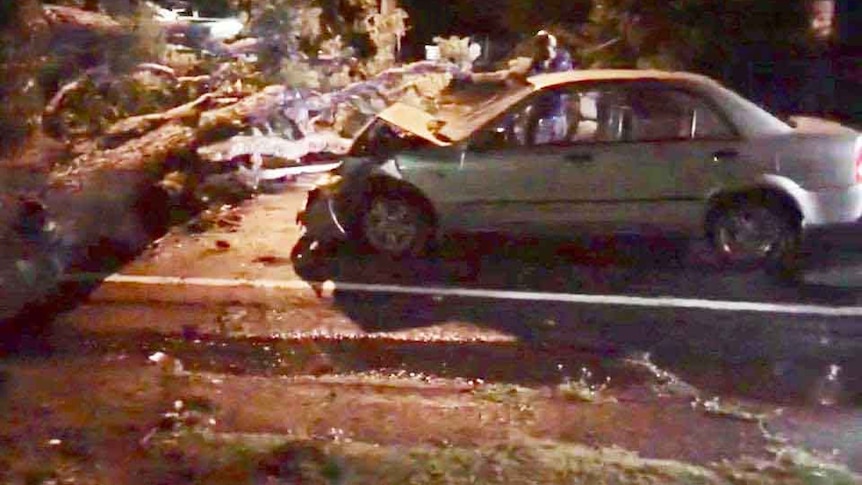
[412, 119]
[456, 119]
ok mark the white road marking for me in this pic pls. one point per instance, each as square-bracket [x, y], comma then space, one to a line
[621, 300]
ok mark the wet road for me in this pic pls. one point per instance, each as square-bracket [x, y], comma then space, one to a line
[644, 319]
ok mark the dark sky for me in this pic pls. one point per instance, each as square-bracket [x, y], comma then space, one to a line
[480, 18]
[487, 17]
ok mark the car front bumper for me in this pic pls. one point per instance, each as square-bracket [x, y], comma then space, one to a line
[833, 220]
[839, 207]
[319, 218]
[844, 237]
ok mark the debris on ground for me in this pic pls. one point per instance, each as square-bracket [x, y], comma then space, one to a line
[168, 364]
[230, 319]
[584, 389]
[225, 216]
[272, 260]
[716, 407]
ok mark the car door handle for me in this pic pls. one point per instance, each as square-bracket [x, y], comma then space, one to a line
[724, 155]
[579, 157]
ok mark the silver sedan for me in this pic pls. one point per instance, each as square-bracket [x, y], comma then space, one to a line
[592, 151]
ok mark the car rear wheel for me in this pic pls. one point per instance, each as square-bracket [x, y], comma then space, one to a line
[396, 225]
[755, 232]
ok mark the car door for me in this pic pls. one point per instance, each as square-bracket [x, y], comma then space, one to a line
[491, 182]
[642, 157]
[511, 189]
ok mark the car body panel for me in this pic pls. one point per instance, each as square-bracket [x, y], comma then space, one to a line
[626, 187]
[486, 190]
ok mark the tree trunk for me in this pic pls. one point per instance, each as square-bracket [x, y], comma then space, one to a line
[23, 37]
[91, 5]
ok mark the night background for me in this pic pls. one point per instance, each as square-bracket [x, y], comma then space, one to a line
[268, 242]
[759, 48]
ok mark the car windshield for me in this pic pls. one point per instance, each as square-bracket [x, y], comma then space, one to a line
[465, 110]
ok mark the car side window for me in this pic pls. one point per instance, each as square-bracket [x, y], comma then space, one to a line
[506, 133]
[661, 114]
[566, 116]
[618, 113]
[543, 119]
[597, 115]
[603, 114]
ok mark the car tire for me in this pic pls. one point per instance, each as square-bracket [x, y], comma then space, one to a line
[395, 224]
[307, 250]
[756, 232]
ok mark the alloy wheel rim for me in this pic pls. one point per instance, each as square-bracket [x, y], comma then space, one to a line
[749, 234]
[391, 226]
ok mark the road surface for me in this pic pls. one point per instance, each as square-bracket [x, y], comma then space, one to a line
[665, 354]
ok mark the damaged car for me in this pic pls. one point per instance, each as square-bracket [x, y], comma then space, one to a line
[591, 152]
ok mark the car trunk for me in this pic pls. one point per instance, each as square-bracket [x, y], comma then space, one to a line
[820, 159]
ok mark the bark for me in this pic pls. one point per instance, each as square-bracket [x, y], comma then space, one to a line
[146, 152]
[138, 125]
[23, 43]
[275, 146]
[205, 129]
[178, 131]
[76, 18]
[238, 115]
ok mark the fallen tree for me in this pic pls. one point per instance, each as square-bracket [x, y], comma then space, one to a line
[120, 178]
[210, 126]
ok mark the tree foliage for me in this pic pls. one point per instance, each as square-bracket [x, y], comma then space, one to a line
[529, 16]
[701, 35]
[295, 33]
[23, 44]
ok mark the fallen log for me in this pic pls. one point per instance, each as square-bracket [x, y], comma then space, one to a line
[275, 146]
[240, 114]
[184, 129]
[138, 125]
[146, 153]
[76, 18]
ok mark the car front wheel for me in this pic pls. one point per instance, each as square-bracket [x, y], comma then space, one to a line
[750, 232]
[396, 225]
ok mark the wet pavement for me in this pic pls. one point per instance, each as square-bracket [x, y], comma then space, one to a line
[660, 368]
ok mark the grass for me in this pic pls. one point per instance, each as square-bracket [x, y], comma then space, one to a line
[791, 466]
[503, 393]
[217, 459]
[729, 410]
[583, 390]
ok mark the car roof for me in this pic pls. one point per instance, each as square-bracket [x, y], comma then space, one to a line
[461, 113]
[542, 81]
[462, 117]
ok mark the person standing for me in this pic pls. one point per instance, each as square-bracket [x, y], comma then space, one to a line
[549, 117]
[547, 56]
